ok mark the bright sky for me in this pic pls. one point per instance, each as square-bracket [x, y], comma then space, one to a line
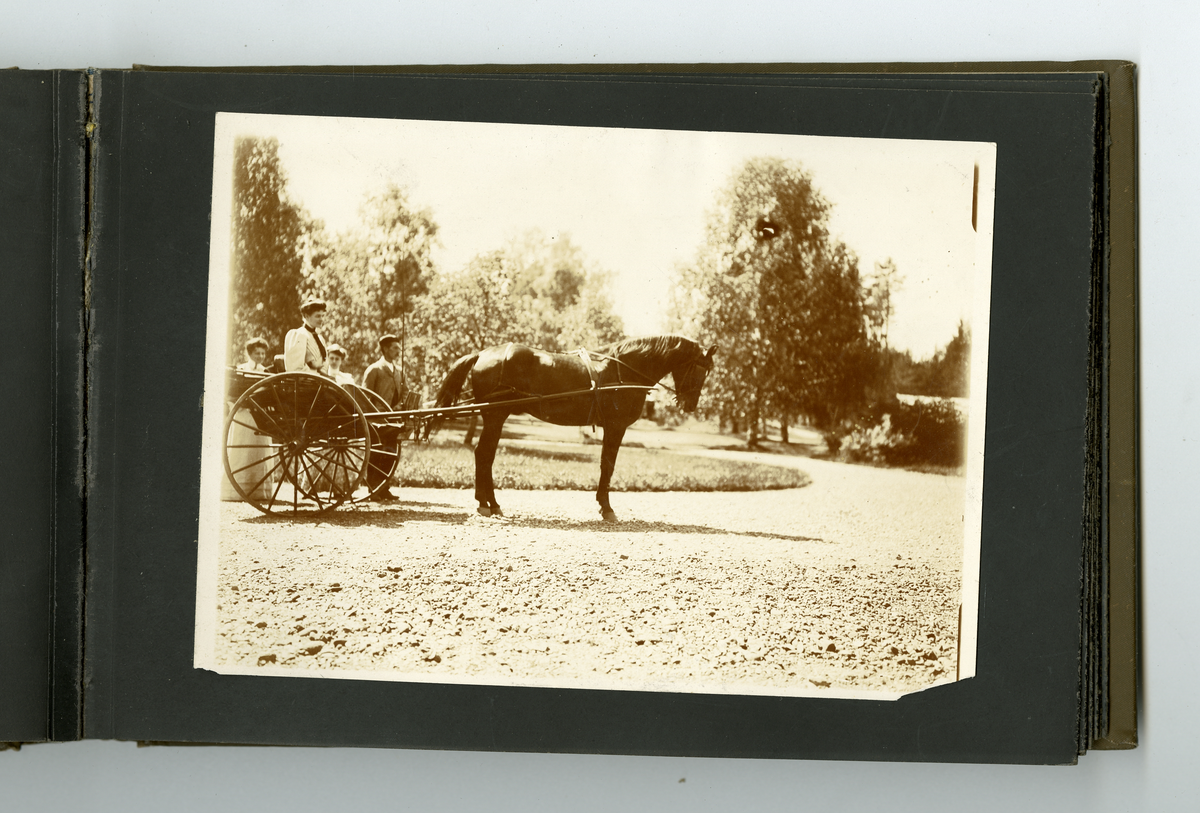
[635, 200]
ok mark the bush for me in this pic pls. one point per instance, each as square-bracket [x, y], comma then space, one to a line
[927, 433]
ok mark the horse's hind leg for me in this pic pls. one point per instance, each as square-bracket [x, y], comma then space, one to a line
[485, 456]
[613, 435]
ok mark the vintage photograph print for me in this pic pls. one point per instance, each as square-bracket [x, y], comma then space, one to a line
[593, 408]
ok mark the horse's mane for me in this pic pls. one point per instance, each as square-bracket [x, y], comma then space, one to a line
[653, 345]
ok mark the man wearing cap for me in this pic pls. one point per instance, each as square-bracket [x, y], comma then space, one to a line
[256, 354]
[385, 376]
[387, 379]
[303, 349]
[337, 355]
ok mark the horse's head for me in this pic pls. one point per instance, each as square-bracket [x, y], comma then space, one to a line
[689, 378]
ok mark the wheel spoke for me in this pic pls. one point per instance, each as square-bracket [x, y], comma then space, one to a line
[353, 469]
[323, 457]
[278, 398]
[295, 406]
[266, 476]
[255, 463]
[249, 426]
[332, 406]
[265, 414]
[349, 421]
[282, 477]
[303, 457]
[311, 406]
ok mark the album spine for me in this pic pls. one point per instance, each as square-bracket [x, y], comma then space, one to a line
[73, 183]
[1119, 392]
[42, 142]
[102, 404]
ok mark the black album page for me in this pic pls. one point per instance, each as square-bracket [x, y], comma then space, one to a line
[810, 277]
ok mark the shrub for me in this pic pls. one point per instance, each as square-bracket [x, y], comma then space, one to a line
[926, 433]
[877, 443]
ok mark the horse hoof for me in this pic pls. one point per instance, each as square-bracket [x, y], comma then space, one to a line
[609, 516]
[483, 511]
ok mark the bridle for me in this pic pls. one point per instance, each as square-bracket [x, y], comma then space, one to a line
[703, 361]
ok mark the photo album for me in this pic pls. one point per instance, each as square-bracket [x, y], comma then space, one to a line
[780, 411]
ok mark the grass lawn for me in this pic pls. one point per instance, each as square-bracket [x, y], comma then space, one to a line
[453, 466]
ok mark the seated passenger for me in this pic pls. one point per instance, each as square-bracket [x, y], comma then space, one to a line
[256, 354]
[337, 355]
[303, 349]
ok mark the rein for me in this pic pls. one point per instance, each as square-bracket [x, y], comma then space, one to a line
[587, 355]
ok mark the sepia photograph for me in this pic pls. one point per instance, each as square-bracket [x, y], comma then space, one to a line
[595, 408]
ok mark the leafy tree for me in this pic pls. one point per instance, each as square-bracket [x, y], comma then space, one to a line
[784, 301]
[398, 241]
[536, 290]
[954, 376]
[564, 303]
[590, 321]
[946, 374]
[267, 262]
[879, 307]
[373, 278]
[466, 311]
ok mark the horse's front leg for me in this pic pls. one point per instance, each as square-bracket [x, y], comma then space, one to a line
[485, 456]
[608, 461]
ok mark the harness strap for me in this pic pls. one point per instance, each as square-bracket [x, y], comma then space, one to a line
[503, 360]
[594, 409]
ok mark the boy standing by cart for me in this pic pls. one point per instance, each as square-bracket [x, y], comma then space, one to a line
[386, 378]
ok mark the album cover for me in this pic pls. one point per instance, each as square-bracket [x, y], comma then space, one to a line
[698, 411]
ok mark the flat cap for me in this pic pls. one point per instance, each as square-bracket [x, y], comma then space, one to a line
[387, 339]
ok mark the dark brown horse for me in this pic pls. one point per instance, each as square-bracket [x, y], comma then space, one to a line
[511, 372]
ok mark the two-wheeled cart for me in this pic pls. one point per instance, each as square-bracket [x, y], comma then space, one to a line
[299, 442]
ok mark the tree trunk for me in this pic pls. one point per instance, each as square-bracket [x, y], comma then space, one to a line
[783, 429]
[753, 423]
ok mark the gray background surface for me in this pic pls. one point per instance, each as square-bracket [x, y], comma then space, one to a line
[1157, 34]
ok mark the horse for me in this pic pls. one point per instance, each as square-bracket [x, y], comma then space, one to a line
[514, 372]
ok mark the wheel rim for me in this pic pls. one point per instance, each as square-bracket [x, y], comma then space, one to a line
[296, 442]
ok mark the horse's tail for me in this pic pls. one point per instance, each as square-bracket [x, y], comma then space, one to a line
[448, 392]
[455, 379]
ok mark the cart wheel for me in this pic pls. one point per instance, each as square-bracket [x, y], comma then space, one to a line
[296, 442]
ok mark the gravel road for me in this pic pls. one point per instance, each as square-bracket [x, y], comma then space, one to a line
[850, 584]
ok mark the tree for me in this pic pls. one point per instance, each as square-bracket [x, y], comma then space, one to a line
[954, 377]
[399, 241]
[784, 301]
[466, 311]
[564, 299]
[946, 374]
[536, 290]
[879, 307]
[372, 278]
[266, 258]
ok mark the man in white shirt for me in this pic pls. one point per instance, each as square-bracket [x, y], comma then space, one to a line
[304, 349]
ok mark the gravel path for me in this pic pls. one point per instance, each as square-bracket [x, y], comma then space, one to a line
[850, 584]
